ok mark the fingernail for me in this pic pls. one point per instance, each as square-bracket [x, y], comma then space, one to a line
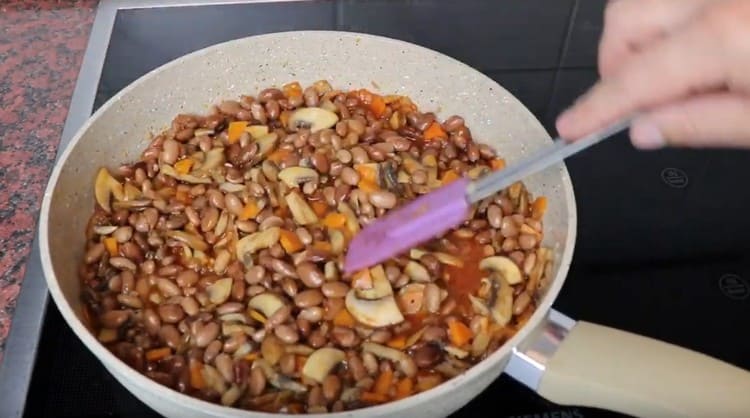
[646, 135]
[563, 123]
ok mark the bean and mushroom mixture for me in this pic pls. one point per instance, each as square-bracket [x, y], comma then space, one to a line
[213, 263]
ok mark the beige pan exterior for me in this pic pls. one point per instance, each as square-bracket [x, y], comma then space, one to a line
[118, 132]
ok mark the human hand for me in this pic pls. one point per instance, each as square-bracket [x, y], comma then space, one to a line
[682, 65]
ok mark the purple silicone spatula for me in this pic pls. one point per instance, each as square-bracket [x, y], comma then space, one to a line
[437, 212]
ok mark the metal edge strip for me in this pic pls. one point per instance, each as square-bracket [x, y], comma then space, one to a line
[22, 344]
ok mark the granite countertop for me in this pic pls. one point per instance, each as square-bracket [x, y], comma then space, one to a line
[41, 46]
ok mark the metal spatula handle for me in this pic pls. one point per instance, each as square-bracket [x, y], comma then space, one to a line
[560, 149]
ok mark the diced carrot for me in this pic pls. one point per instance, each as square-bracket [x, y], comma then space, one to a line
[369, 397]
[368, 172]
[334, 220]
[183, 196]
[251, 357]
[183, 166]
[282, 211]
[459, 333]
[404, 388]
[362, 279]
[368, 186]
[539, 207]
[158, 353]
[196, 376]
[110, 243]
[434, 131]
[257, 316]
[363, 95]
[292, 89]
[383, 382]
[278, 155]
[235, 130]
[398, 342]
[377, 106]
[320, 208]
[344, 319]
[322, 246]
[449, 177]
[497, 163]
[290, 241]
[295, 408]
[251, 210]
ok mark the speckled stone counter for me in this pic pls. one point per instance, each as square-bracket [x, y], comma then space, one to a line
[41, 46]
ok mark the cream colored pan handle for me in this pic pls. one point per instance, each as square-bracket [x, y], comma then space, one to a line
[606, 368]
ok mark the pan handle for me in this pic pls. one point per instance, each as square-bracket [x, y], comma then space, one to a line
[584, 364]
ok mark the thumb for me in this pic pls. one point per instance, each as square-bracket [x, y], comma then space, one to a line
[720, 120]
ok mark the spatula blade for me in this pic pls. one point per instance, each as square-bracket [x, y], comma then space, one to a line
[404, 228]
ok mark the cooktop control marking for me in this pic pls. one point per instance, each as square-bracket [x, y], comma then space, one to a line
[674, 177]
[734, 287]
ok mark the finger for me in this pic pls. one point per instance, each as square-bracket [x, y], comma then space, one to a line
[717, 120]
[673, 67]
[631, 24]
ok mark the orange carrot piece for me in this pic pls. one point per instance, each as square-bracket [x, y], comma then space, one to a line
[369, 397]
[278, 155]
[367, 172]
[459, 333]
[300, 361]
[449, 177]
[404, 388]
[368, 186]
[292, 89]
[397, 342]
[434, 131]
[334, 220]
[251, 210]
[344, 319]
[377, 106]
[183, 196]
[322, 246]
[196, 376]
[290, 241]
[497, 164]
[251, 357]
[257, 316]
[284, 118]
[383, 382]
[158, 353]
[235, 131]
[110, 244]
[183, 166]
[320, 208]
[539, 207]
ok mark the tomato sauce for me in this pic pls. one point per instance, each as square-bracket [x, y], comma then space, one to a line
[465, 280]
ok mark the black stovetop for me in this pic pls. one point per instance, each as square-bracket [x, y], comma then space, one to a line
[661, 246]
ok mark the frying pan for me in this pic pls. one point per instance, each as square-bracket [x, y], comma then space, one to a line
[565, 361]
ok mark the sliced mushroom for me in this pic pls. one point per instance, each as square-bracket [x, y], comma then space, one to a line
[503, 265]
[294, 176]
[381, 287]
[266, 144]
[479, 306]
[105, 229]
[219, 291]
[168, 170]
[193, 241]
[252, 243]
[214, 159]
[383, 352]
[338, 241]
[502, 309]
[278, 380]
[477, 172]
[301, 211]
[257, 131]
[203, 132]
[321, 362]
[130, 192]
[104, 187]
[233, 317]
[231, 187]
[417, 272]
[455, 351]
[479, 344]
[445, 258]
[373, 313]
[228, 329]
[266, 303]
[314, 118]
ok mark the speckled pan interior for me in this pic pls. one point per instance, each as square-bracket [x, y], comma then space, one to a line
[119, 131]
